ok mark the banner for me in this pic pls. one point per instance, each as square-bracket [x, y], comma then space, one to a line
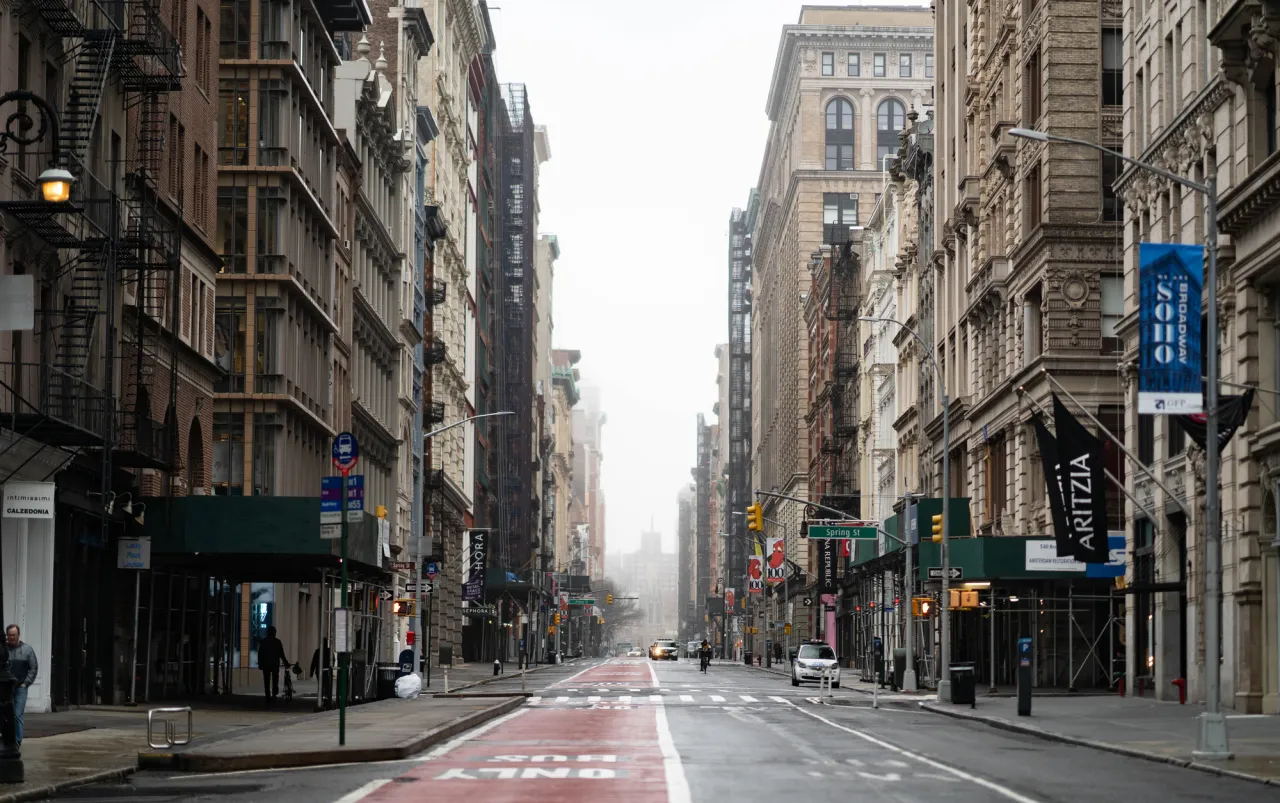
[755, 574]
[1084, 489]
[1232, 410]
[1051, 466]
[828, 551]
[775, 561]
[477, 552]
[729, 598]
[1170, 278]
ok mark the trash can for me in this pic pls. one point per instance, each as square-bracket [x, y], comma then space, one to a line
[899, 666]
[446, 655]
[746, 657]
[963, 683]
[388, 672]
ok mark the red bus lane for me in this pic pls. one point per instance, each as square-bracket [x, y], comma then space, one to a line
[601, 752]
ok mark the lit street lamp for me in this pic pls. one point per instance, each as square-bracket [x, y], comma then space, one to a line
[944, 677]
[1211, 740]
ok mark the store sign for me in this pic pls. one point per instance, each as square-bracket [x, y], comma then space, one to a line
[28, 500]
[134, 553]
[1042, 556]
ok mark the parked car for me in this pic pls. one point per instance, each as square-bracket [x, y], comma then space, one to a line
[664, 650]
[810, 660]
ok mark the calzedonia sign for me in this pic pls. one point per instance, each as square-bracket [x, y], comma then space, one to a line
[29, 500]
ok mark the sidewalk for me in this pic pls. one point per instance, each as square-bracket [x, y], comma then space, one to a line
[1138, 727]
[849, 682]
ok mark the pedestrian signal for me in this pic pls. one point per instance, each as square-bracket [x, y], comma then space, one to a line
[921, 606]
[402, 607]
[937, 528]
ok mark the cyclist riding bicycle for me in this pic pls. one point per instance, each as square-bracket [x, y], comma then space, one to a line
[704, 652]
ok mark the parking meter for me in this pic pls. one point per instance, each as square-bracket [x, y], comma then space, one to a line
[877, 658]
[1024, 677]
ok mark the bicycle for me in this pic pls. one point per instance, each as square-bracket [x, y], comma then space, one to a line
[289, 672]
[705, 662]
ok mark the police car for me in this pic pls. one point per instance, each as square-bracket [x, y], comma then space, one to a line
[811, 659]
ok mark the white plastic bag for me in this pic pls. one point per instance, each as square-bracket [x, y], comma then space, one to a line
[409, 686]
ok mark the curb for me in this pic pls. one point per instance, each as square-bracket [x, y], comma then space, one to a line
[515, 674]
[1004, 724]
[474, 694]
[49, 790]
[194, 762]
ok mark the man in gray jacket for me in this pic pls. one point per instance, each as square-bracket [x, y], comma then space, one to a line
[23, 665]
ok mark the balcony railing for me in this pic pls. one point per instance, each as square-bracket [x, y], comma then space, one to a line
[435, 413]
[435, 351]
[144, 443]
[53, 406]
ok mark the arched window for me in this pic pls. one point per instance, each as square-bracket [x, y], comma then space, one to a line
[196, 475]
[891, 117]
[839, 135]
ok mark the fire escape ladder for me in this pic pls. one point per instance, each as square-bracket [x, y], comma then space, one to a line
[84, 96]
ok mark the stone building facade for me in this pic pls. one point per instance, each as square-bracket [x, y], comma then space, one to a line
[843, 82]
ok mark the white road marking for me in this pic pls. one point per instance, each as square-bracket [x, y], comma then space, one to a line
[576, 674]
[633, 690]
[686, 698]
[893, 762]
[595, 698]
[747, 698]
[1003, 791]
[534, 700]
[626, 698]
[677, 786]
[655, 698]
[457, 741]
[715, 698]
[652, 674]
[364, 791]
[778, 699]
[562, 699]
[888, 776]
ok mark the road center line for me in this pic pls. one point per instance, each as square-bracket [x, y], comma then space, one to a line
[983, 782]
[677, 785]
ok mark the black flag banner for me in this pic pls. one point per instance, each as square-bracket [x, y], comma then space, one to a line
[1232, 410]
[478, 549]
[1053, 479]
[1084, 490]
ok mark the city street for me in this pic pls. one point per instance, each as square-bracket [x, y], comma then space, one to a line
[636, 730]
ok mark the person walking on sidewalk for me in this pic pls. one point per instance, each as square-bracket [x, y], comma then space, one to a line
[270, 659]
[25, 667]
[325, 672]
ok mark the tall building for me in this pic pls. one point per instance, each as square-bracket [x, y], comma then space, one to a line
[588, 465]
[686, 562]
[704, 582]
[843, 82]
[650, 574]
[736, 420]
[724, 568]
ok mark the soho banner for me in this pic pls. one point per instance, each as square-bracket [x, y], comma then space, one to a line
[477, 552]
[776, 561]
[755, 574]
[1170, 278]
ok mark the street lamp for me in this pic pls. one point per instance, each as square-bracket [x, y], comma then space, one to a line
[944, 677]
[1212, 737]
[417, 558]
[55, 185]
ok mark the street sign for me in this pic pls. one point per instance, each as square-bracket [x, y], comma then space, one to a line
[956, 573]
[808, 602]
[403, 565]
[385, 594]
[582, 601]
[844, 529]
[412, 588]
[330, 500]
[355, 498]
[346, 452]
[432, 568]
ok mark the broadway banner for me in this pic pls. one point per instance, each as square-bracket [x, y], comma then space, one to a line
[478, 553]
[1170, 277]
[1232, 411]
[1052, 467]
[755, 574]
[828, 551]
[775, 561]
[1084, 486]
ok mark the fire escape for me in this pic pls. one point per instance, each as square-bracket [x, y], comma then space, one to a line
[842, 303]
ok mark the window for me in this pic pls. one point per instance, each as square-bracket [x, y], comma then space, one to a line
[1146, 439]
[199, 189]
[1112, 209]
[1177, 439]
[877, 65]
[1112, 67]
[233, 122]
[233, 229]
[839, 134]
[997, 469]
[1031, 89]
[228, 454]
[854, 68]
[204, 32]
[1033, 318]
[266, 341]
[1112, 302]
[234, 30]
[928, 65]
[891, 118]
[1031, 199]
[229, 344]
[839, 212]
[275, 30]
[816, 652]
[264, 457]
[904, 65]
[828, 63]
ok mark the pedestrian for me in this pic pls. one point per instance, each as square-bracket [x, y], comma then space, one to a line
[270, 659]
[325, 672]
[25, 667]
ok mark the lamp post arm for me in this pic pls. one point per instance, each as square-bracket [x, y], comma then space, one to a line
[1174, 177]
[435, 432]
[839, 513]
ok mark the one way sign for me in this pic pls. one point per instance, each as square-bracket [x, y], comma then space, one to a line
[954, 573]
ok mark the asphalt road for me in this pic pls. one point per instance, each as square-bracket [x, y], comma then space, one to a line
[632, 730]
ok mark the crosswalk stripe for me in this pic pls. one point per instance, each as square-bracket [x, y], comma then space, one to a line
[595, 698]
[562, 699]
[747, 698]
[715, 698]
[778, 699]
[686, 698]
[655, 698]
[535, 700]
[626, 698]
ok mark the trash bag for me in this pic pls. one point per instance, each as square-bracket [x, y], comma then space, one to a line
[409, 686]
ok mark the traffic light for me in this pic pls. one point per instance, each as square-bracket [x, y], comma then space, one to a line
[608, 599]
[557, 621]
[921, 606]
[755, 518]
[937, 528]
[402, 607]
[786, 629]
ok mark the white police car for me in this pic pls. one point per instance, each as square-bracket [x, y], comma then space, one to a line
[810, 660]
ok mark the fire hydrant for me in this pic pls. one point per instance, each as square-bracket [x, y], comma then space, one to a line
[1181, 683]
[497, 667]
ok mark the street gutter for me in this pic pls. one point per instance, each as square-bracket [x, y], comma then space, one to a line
[1004, 724]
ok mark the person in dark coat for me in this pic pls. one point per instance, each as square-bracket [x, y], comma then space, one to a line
[325, 672]
[270, 659]
[25, 668]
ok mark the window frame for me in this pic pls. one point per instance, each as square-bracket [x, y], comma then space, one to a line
[928, 65]
[828, 64]
[1112, 77]
[853, 65]
[879, 62]
[905, 62]
[842, 138]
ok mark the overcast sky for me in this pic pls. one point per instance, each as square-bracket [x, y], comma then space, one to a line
[655, 115]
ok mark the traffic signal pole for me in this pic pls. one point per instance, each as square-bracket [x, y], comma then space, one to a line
[344, 657]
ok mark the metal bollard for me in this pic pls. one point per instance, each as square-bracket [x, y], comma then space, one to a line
[446, 680]
[170, 732]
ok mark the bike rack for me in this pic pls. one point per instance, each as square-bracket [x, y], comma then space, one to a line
[170, 732]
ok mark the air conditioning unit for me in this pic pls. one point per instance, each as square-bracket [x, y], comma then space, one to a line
[346, 243]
